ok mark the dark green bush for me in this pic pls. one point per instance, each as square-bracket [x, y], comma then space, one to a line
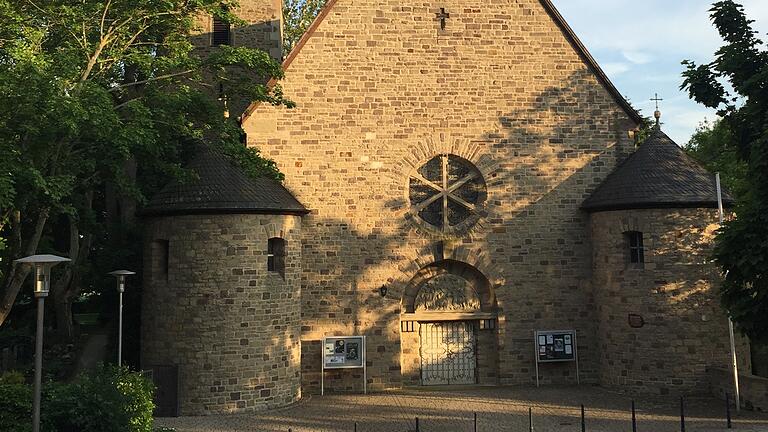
[107, 399]
[15, 403]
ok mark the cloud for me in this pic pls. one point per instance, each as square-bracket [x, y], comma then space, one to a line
[637, 57]
[615, 68]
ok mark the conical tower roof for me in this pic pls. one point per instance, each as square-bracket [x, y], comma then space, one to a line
[222, 188]
[658, 175]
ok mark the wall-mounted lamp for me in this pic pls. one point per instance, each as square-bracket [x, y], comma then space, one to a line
[383, 290]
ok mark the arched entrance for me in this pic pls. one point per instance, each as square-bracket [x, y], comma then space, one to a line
[448, 329]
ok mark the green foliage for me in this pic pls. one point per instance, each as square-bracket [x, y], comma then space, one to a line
[710, 146]
[298, 15]
[741, 250]
[15, 406]
[89, 88]
[107, 399]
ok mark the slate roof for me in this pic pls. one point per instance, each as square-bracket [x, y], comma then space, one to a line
[658, 175]
[222, 187]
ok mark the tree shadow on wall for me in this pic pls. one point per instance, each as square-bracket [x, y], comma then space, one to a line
[550, 157]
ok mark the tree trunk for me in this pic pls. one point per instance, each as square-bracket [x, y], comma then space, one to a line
[68, 285]
[15, 279]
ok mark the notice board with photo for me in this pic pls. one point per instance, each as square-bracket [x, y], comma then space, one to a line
[342, 352]
[555, 346]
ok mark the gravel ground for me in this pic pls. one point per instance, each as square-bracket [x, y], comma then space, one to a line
[497, 408]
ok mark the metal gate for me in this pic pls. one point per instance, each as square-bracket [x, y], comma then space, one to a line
[447, 353]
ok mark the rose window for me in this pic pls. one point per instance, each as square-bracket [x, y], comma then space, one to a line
[446, 192]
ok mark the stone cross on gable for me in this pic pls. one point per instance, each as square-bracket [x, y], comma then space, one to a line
[442, 16]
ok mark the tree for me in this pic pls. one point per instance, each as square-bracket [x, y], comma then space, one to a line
[298, 15]
[100, 103]
[741, 247]
[710, 146]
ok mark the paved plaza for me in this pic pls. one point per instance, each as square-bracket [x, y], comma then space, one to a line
[497, 408]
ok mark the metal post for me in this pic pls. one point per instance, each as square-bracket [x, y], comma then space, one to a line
[583, 422]
[355, 426]
[417, 425]
[475, 422]
[734, 363]
[322, 368]
[120, 331]
[728, 410]
[536, 355]
[682, 414]
[38, 360]
[576, 354]
[530, 419]
[634, 418]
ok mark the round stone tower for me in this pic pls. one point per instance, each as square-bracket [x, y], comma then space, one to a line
[652, 227]
[221, 294]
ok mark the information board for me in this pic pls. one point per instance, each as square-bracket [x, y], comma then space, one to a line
[343, 352]
[556, 346]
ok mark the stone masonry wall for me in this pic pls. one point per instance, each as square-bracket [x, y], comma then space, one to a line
[675, 293]
[753, 390]
[381, 89]
[231, 326]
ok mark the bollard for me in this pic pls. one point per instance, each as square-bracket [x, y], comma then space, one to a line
[417, 424]
[355, 426]
[530, 419]
[475, 422]
[682, 414]
[728, 410]
[634, 418]
[583, 423]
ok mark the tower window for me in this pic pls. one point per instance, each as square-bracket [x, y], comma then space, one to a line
[636, 248]
[276, 255]
[221, 32]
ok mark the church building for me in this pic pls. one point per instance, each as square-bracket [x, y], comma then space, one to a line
[458, 177]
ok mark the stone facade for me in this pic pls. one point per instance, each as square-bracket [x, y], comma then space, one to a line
[230, 326]
[262, 28]
[380, 90]
[753, 389]
[386, 102]
[685, 330]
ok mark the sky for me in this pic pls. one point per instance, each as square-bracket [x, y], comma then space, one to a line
[640, 44]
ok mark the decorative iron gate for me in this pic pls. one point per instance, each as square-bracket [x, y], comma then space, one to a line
[447, 353]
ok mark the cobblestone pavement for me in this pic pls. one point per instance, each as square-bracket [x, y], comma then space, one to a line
[497, 408]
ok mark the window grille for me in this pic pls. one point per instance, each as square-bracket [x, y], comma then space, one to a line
[636, 248]
[276, 255]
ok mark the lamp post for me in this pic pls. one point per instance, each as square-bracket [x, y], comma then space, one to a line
[43, 265]
[120, 275]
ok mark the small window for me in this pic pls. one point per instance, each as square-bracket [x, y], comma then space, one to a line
[276, 255]
[160, 256]
[636, 248]
[221, 32]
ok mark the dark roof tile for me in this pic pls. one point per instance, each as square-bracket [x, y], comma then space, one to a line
[222, 188]
[658, 175]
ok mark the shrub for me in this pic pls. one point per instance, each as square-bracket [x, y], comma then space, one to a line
[107, 399]
[15, 403]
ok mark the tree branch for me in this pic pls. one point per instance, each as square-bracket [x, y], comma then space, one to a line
[157, 78]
